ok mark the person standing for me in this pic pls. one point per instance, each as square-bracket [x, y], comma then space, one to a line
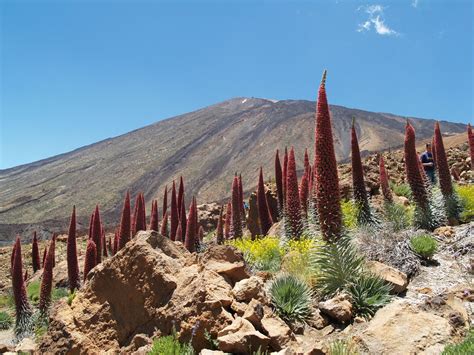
[428, 163]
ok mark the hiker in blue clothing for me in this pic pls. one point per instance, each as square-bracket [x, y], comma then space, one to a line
[428, 163]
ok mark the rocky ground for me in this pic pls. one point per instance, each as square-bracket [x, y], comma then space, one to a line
[213, 300]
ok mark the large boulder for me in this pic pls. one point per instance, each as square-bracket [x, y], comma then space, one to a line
[247, 289]
[242, 338]
[397, 279]
[149, 287]
[338, 308]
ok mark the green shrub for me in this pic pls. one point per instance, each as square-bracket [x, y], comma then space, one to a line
[465, 347]
[297, 261]
[59, 292]
[466, 195]
[71, 297]
[369, 293]
[6, 320]
[263, 254]
[336, 266]
[291, 298]
[170, 345]
[340, 347]
[349, 214]
[398, 216]
[401, 190]
[424, 245]
[33, 291]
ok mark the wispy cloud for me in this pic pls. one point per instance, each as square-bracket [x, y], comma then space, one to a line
[375, 21]
[414, 3]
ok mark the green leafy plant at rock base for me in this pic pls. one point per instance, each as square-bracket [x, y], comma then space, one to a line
[424, 245]
[291, 298]
[341, 347]
[33, 292]
[398, 216]
[466, 195]
[463, 348]
[170, 345]
[6, 320]
[349, 214]
[369, 293]
[401, 190]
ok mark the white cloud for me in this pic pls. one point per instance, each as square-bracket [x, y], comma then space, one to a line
[376, 21]
[414, 3]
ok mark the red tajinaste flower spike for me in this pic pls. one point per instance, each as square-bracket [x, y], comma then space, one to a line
[35, 253]
[307, 166]
[72, 263]
[445, 183]
[183, 221]
[22, 306]
[104, 245]
[180, 199]
[412, 168]
[26, 275]
[141, 216]
[165, 201]
[358, 182]
[179, 233]
[304, 193]
[97, 233]
[52, 248]
[433, 151]
[228, 220]
[262, 206]
[236, 226]
[326, 177]
[135, 216]
[91, 225]
[46, 284]
[220, 227]
[12, 257]
[190, 240]
[279, 180]
[293, 206]
[174, 218]
[124, 235]
[44, 256]
[154, 216]
[384, 184]
[241, 200]
[285, 173]
[310, 182]
[470, 137]
[91, 257]
[164, 226]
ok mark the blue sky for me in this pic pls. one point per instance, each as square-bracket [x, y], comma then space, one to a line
[75, 72]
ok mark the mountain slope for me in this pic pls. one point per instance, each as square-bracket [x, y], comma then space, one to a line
[206, 147]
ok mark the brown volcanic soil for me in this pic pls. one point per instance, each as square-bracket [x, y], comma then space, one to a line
[206, 147]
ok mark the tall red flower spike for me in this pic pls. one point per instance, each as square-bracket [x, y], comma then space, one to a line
[91, 225]
[358, 182]
[190, 239]
[279, 180]
[139, 220]
[444, 175]
[433, 150]
[470, 137]
[35, 253]
[154, 216]
[183, 220]
[412, 168]
[304, 193]
[52, 246]
[124, 235]
[228, 220]
[44, 256]
[220, 227]
[46, 284]
[22, 306]
[236, 226]
[174, 217]
[104, 244]
[293, 206]
[97, 233]
[325, 166]
[164, 226]
[241, 199]
[307, 166]
[72, 264]
[179, 233]
[180, 196]
[384, 185]
[91, 257]
[285, 173]
[165, 201]
[262, 206]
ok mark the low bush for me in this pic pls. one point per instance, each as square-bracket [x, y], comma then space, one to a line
[369, 293]
[170, 345]
[263, 254]
[465, 347]
[349, 214]
[397, 216]
[466, 195]
[291, 298]
[401, 190]
[6, 320]
[341, 347]
[424, 245]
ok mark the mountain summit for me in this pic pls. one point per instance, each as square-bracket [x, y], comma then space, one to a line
[206, 147]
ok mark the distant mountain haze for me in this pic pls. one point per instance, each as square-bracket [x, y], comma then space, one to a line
[206, 147]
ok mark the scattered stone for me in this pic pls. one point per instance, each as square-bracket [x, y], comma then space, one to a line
[241, 337]
[397, 279]
[445, 231]
[226, 261]
[254, 313]
[338, 308]
[277, 330]
[247, 289]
